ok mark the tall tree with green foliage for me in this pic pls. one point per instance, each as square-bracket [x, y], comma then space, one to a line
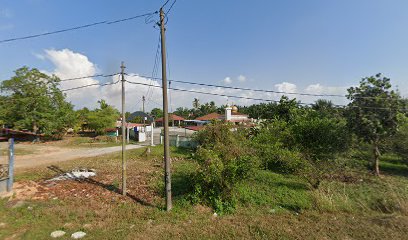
[183, 112]
[34, 102]
[156, 113]
[372, 112]
[102, 118]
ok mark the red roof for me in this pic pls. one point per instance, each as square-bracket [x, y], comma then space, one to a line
[211, 116]
[171, 117]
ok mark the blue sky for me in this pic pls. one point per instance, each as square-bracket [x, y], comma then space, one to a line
[294, 45]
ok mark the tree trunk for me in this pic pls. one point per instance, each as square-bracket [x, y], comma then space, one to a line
[35, 128]
[376, 159]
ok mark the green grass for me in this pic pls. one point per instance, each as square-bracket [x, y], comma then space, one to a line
[270, 205]
[87, 142]
[276, 191]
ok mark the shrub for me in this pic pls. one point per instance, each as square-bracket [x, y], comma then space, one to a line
[399, 143]
[320, 137]
[224, 159]
[271, 142]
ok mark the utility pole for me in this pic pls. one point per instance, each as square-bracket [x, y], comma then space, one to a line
[167, 172]
[144, 117]
[122, 67]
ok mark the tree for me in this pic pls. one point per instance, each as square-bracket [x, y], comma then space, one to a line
[156, 113]
[399, 142]
[372, 112]
[196, 103]
[35, 103]
[183, 112]
[3, 110]
[82, 118]
[102, 118]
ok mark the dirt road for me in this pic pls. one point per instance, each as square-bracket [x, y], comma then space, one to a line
[52, 154]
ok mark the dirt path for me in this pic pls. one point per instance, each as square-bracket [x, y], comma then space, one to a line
[52, 154]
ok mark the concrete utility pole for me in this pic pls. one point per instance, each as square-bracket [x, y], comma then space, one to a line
[122, 67]
[167, 175]
[10, 180]
[144, 118]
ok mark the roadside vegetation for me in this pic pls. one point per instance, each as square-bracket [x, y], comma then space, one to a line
[267, 204]
[303, 172]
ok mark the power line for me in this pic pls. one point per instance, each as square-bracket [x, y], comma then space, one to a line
[154, 71]
[244, 89]
[165, 4]
[250, 98]
[77, 27]
[92, 76]
[200, 92]
[258, 90]
[171, 6]
[89, 85]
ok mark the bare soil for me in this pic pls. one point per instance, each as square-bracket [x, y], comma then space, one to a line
[43, 154]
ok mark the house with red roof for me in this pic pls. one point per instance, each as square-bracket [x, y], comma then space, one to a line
[231, 115]
[174, 120]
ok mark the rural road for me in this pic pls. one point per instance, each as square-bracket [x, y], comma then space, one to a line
[47, 155]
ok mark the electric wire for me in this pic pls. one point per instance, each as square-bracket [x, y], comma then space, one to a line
[165, 4]
[92, 76]
[171, 6]
[259, 90]
[77, 28]
[155, 67]
[89, 85]
[250, 98]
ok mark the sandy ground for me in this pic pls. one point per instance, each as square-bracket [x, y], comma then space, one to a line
[47, 154]
[52, 154]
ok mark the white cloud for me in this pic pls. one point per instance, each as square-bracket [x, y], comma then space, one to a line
[286, 87]
[326, 90]
[241, 78]
[69, 64]
[314, 88]
[227, 80]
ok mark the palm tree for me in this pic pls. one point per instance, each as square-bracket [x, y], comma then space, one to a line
[196, 103]
[323, 105]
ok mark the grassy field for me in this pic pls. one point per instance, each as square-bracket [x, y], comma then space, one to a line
[270, 205]
[85, 142]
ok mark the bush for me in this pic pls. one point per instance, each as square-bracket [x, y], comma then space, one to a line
[224, 160]
[320, 137]
[303, 146]
[399, 143]
[280, 159]
[271, 142]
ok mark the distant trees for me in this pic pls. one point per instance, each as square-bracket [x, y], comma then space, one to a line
[102, 118]
[32, 100]
[284, 109]
[156, 113]
[198, 110]
[372, 112]
[182, 112]
[196, 103]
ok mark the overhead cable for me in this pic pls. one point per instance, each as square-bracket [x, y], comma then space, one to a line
[76, 28]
